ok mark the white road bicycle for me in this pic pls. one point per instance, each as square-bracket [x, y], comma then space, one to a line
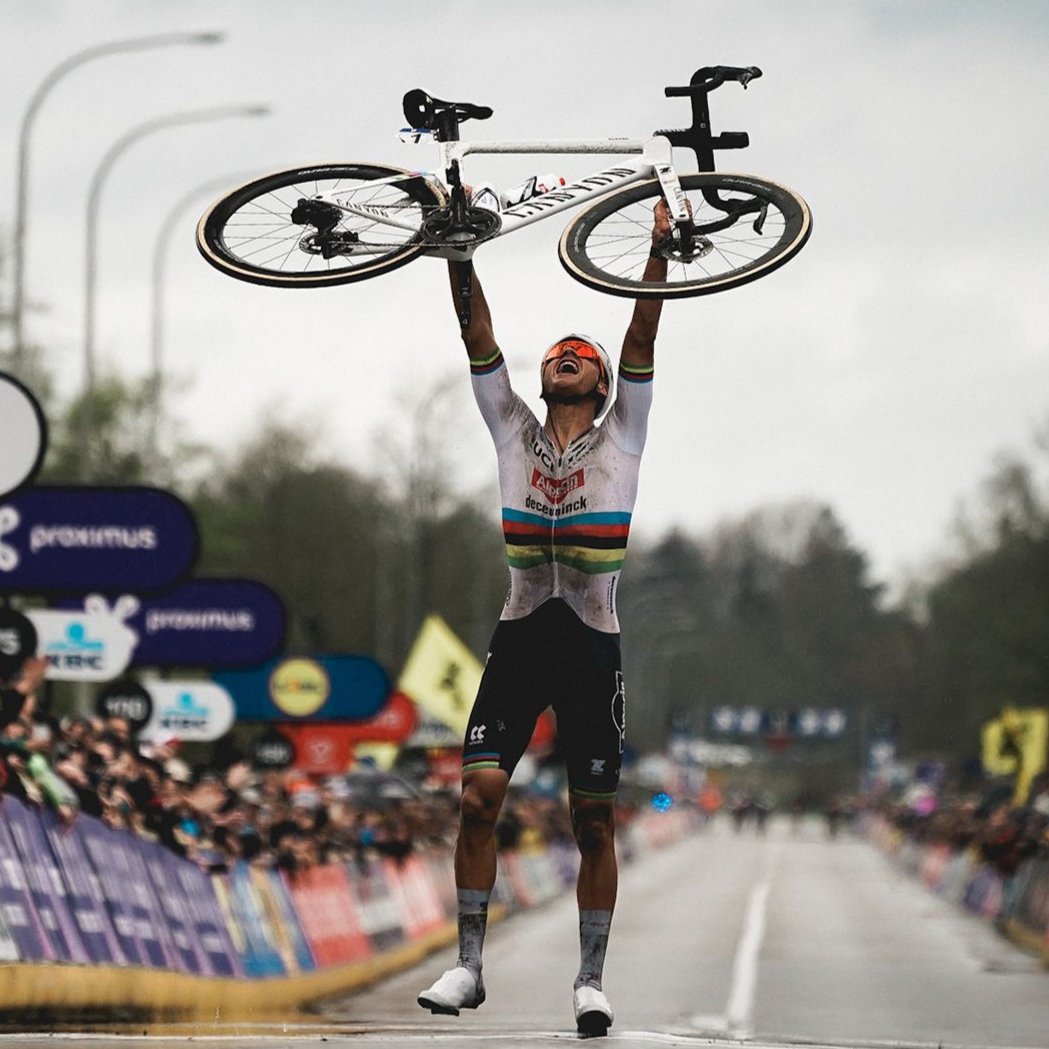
[338, 223]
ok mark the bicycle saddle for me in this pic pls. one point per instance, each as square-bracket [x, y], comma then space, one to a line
[433, 114]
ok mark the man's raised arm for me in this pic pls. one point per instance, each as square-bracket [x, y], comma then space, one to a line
[478, 336]
[639, 343]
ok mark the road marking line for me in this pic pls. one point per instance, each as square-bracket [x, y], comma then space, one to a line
[739, 1012]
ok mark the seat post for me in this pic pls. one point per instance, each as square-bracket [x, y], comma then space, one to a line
[447, 126]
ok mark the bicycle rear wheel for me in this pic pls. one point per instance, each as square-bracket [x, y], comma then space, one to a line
[607, 246]
[351, 222]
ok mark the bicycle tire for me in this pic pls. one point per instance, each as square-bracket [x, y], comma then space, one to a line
[607, 246]
[248, 233]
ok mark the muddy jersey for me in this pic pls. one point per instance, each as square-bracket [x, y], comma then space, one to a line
[566, 517]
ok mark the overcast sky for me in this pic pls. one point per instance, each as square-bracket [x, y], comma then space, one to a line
[880, 371]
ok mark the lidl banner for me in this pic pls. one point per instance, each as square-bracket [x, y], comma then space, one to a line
[78, 540]
[23, 435]
[318, 688]
[441, 675]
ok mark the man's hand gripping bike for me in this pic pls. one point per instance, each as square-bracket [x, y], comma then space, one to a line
[338, 223]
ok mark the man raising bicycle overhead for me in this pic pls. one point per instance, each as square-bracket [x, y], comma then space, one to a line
[568, 487]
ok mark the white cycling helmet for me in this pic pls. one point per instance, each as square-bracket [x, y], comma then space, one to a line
[604, 361]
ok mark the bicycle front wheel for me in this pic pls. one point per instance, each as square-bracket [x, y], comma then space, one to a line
[318, 226]
[607, 246]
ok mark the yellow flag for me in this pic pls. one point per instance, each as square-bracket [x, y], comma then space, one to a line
[382, 755]
[441, 674]
[1015, 745]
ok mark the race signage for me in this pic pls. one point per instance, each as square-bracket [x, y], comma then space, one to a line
[18, 641]
[808, 723]
[321, 750]
[23, 435]
[273, 750]
[194, 711]
[393, 724]
[441, 674]
[73, 540]
[209, 622]
[127, 699]
[94, 644]
[321, 688]
[326, 749]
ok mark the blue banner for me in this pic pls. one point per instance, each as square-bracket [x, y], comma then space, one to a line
[318, 688]
[209, 623]
[73, 540]
[20, 917]
[85, 892]
[98, 842]
[46, 889]
[209, 925]
[261, 954]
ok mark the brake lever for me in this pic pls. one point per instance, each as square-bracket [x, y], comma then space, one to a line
[749, 74]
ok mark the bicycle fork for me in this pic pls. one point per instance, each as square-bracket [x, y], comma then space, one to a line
[685, 242]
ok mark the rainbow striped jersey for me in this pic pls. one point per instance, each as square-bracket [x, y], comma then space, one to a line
[566, 517]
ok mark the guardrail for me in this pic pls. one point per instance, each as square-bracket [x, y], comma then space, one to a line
[1018, 904]
[95, 921]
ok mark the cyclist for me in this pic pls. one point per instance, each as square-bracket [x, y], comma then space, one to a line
[568, 487]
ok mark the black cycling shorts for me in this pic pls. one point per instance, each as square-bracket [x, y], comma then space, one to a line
[551, 658]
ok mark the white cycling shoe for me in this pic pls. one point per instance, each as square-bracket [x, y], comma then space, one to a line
[593, 1013]
[457, 989]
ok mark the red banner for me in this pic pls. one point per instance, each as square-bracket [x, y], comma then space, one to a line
[414, 894]
[327, 905]
[326, 748]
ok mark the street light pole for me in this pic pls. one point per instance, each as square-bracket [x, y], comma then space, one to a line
[74, 61]
[160, 249]
[95, 193]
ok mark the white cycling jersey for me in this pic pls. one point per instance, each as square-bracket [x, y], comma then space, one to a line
[566, 518]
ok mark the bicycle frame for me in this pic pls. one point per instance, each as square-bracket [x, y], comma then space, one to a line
[654, 154]
[654, 158]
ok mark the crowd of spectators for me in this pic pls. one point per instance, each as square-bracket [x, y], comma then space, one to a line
[214, 815]
[225, 811]
[993, 825]
[218, 814]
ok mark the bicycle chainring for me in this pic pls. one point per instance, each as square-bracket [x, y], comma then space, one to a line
[480, 224]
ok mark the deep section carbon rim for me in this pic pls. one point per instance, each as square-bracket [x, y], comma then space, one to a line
[607, 246]
[351, 222]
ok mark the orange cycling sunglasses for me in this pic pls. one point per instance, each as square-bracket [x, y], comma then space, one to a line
[581, 349]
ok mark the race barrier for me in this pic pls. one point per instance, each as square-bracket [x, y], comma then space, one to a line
[97, 921]
[1017, 904]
